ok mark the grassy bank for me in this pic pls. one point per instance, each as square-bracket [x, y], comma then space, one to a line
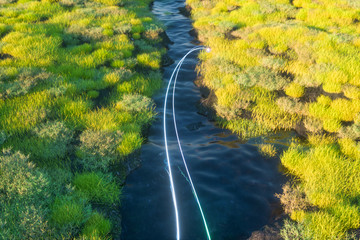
[76, 79]
[292, 65]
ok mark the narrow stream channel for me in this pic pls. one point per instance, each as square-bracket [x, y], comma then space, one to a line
[235, 184]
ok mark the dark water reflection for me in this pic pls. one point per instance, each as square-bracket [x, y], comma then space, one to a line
[235, 184]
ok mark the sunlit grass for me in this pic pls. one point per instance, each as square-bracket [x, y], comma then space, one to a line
[97, 187]
[75, 85]
[279, 64]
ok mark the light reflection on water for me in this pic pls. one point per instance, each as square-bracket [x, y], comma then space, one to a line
[235, 184]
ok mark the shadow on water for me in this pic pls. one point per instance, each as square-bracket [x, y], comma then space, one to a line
[236, 185]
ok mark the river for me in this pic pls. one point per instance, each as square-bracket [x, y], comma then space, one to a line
[235, 184]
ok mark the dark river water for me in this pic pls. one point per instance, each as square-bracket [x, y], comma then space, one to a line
[235, 184]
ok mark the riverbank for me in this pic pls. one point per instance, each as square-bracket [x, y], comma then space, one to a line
[76, 80]
[292, 65]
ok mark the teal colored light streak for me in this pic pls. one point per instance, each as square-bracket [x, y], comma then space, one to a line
[178, 140]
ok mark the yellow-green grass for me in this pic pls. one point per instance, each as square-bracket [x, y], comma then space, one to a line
[330, 182]
[281, 64]
[267, 150]
[75, 85]
[97, 226]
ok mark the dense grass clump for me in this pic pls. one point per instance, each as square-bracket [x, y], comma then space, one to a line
[332, 190]
[97, 226]
[98, 149]
[97, 187]
[69, 212]
[76, 79]
[26, 195]
[292, 65]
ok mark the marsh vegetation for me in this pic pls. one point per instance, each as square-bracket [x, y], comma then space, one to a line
[292, 65]
[76, 79]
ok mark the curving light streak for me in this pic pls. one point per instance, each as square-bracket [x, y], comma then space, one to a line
[182, 153]
[177, 68]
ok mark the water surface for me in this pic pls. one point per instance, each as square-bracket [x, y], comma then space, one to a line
[235, 184]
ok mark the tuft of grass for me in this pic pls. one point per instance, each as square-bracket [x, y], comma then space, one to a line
[246, 128]
[93, 94]
[332, 125]
[324, 100]
[20, 114]
[135, 103]
[151, 60]
[131, 142]
[313, 125]
[25, 192]
[70, 212]
[97, 149]
[110, 2]
[48, 145]
[72, 111]
[31, 50]
[271, 116]
[350, 148]
[332, 87]
[352, 132]
[351, 92]
[97, 226]
[97, 187]
[268, 150]
[295, 90]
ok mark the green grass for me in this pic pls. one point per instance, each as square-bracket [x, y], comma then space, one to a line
[284, 65]
[25, 192]
[130, 142]
[97, 187]
[75, 86]
[295, 90]
[98, 149]
[267, 150]
[48, 144]
[21, 114]
[97, 226]
[68, 211]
